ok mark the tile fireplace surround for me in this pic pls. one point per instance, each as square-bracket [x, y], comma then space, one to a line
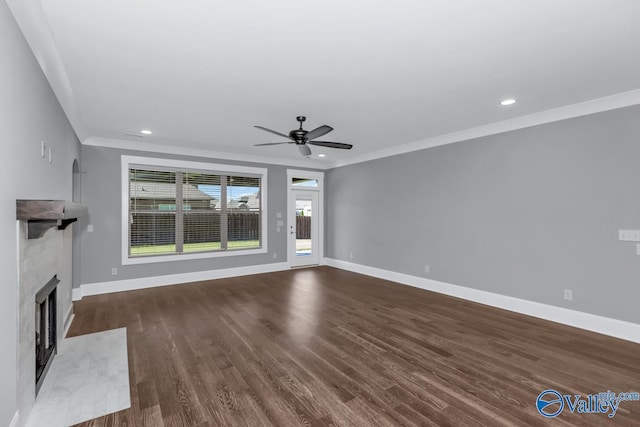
[39, 260]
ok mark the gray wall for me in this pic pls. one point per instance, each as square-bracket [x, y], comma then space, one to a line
[526, 213]
[29, 112]
[101, 250]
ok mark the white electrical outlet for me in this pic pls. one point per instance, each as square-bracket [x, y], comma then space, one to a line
[426, 269]
[568, 295]
[114, 271]
[350, 255]
[629, 235]
[275, 255]
[90, 228]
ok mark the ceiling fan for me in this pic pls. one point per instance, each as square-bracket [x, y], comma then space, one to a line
[302, 137]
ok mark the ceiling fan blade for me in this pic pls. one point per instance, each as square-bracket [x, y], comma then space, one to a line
[331, 144]
[318, 132]
[271, 143]
[272, 131]
[304, 150]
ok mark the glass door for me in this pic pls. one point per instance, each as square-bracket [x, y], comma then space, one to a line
[303, 228]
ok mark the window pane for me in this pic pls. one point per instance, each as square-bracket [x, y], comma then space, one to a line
[152, 196]
[201, 212]
[304, 182]
[175, 212]
[243, 212]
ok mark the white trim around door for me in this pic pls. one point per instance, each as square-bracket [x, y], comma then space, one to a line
[318, 191]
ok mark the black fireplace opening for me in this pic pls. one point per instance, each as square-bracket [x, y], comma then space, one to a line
[46, 325]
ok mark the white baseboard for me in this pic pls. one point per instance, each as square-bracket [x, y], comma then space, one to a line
[67, 318]
[14, 422]
[68, 325]
[590, 322]
[76, 294]
[88, 289]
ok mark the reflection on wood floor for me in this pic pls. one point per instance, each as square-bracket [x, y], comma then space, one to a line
[322, 346]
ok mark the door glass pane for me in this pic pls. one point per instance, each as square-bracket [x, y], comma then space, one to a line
[303, 227]
[304, 182]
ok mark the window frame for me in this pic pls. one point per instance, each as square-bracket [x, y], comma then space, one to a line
[127, 162]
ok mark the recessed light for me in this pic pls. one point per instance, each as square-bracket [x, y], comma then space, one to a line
[506, 102]
[146, 132]
[321, 155]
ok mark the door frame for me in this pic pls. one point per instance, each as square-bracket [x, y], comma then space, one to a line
[314, 258]
[319, 176]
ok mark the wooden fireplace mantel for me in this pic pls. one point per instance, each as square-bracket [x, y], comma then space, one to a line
[41, 215]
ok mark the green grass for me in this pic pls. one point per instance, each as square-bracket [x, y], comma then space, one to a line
[193, 247]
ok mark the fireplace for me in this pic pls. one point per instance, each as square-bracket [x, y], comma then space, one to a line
[45, 244]
[46, 329]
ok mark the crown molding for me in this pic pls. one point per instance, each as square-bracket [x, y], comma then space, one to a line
[612, 102]
[30, 16]
[33, 23]
[198, 152]
[607, 103]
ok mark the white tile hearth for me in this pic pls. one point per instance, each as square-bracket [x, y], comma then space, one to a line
[89, 378]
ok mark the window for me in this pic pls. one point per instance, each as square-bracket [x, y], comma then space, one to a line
[181, 210]
[304, 182]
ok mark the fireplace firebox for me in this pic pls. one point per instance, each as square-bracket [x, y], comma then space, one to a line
[46, 329]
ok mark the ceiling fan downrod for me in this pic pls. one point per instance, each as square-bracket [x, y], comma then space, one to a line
[298, 135]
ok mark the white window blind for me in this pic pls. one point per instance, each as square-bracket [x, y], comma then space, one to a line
[152, 212]
[182, 212]
[244, 210]
[201, 197]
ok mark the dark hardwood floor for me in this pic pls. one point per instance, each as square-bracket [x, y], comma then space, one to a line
[322, 346]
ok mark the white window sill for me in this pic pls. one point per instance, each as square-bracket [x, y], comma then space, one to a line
[126, 260]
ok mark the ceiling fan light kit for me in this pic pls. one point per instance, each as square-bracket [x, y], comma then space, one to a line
[302, 137]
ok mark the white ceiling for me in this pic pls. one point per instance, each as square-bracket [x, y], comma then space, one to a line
[200, 74]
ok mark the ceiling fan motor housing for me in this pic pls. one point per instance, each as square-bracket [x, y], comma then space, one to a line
[298, 135]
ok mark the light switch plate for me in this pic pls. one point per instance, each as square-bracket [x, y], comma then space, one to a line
[568, 295]
[629, 235]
